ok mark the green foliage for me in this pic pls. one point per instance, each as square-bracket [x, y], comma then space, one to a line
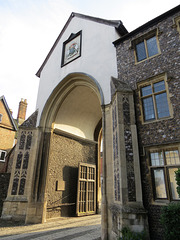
[170, 219]
[178, 180]
[127, 234]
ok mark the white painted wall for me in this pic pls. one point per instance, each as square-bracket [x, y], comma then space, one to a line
[98, 59]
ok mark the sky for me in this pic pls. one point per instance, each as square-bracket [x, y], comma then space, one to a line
[29, 28]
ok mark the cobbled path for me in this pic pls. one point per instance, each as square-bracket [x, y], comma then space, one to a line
[78, 228]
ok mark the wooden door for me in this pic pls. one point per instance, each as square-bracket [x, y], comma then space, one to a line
[86, 197]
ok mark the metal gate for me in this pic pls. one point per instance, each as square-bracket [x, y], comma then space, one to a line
[86, 197]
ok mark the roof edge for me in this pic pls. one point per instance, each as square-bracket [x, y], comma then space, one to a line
[114, 23]
[8, 111]
[148, 24]
[54, 45]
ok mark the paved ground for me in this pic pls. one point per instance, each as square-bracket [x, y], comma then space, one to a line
[79, 228]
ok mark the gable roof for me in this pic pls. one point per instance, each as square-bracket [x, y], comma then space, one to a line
[2, 98]
[114, 23]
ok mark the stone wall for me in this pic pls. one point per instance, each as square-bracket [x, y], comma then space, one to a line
[161, 132]
[126, 209]
[4, 183]
[167, 62]
[65, 154]
[7, 132]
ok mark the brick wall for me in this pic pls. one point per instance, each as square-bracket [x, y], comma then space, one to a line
[161, 132]
[7, 133]
[7, 138]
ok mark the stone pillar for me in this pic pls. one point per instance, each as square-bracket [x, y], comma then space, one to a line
[22, 175]
[125, 206]
[23, 172]
[36, 209]
[107, 173]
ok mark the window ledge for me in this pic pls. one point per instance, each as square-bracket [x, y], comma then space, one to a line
[155, 121]
[136, 63]
[160, 202]
[163, 202]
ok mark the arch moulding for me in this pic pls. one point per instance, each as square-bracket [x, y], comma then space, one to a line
[60, 93]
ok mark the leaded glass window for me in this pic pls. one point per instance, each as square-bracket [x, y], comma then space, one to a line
[22, 186]
[28, 142]
[163, 164]
[148, 108]
[147, 48]
[162, 105]
[159, 180]
[154, 101]
[15, 186]
[22, 141]
[19, 160]
[141, 51]
[15, 182]
[152, 46]
[26, 160]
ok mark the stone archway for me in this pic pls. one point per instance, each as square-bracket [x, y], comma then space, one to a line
[71, 120]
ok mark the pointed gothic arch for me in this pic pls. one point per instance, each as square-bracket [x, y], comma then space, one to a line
[62, 90]
[71, 117]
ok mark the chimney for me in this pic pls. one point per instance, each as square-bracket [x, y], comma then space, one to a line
[11, 111]
[22, 111]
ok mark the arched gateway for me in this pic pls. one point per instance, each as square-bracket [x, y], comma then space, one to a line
[72, 122]
[57, 168]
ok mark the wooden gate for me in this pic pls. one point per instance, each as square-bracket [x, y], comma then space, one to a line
[86, 197]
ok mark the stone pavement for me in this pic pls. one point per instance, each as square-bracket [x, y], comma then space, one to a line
[78, 228]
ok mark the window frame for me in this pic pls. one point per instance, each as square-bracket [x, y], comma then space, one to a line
[176, 24]
[143, 38]
[151, 81]
[3, 151]
[146, 49]
[165, 168]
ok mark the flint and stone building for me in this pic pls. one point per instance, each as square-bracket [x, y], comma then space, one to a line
[105, 135]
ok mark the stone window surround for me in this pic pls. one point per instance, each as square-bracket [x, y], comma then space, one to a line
[2, 151]
[147, 82]
[155, 32]
[148, 150]
[176, 23]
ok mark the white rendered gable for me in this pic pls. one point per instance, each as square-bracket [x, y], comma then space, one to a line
[98, 59]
